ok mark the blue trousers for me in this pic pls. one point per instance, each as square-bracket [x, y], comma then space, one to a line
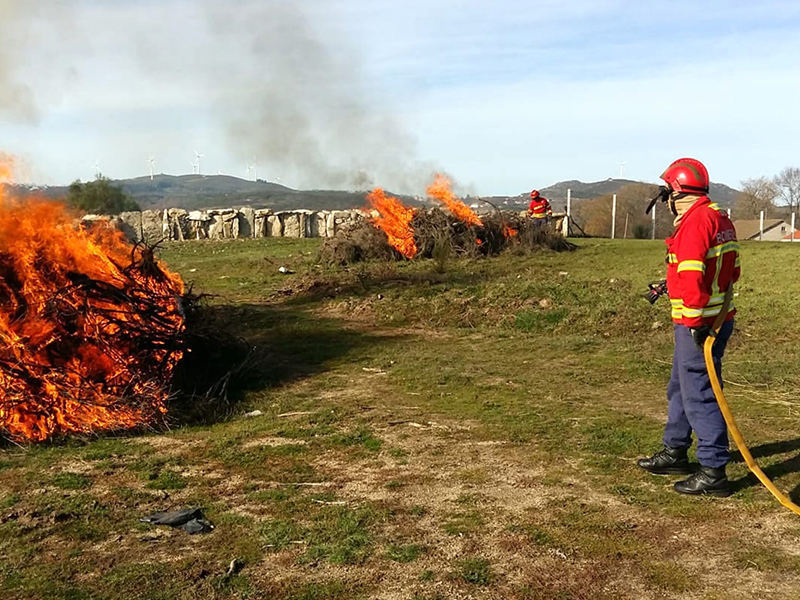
[692, 405]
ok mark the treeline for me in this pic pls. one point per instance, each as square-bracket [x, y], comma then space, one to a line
[595, 215]
[777, 196]
[99, 197]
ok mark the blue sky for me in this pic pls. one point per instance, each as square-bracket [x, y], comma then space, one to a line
[503, 95]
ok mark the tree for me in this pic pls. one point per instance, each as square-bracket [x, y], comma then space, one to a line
[788, 184]
[757, 194]
[100, 197]
[632, 200]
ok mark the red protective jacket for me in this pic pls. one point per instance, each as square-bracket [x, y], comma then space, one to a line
[540, 208]
[702, 261]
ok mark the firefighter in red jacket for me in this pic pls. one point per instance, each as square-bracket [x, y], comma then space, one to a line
[539, 208]
[702, 262]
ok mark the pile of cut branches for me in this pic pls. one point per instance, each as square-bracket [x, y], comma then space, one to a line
[437, 232]
[90, 328]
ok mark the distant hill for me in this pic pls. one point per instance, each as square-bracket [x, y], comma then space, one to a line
[721, 193]
[557, 193]
[194, 192]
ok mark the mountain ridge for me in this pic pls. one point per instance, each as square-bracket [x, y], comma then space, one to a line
[197, 192]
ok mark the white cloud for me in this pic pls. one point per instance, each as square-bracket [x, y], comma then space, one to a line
[505, 95]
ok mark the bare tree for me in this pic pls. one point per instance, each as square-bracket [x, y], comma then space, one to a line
[788, 184]
[632, 199]
[757, 194]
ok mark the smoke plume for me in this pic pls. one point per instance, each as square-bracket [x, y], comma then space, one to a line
[299, 101]
[279, 84]
[29, 73]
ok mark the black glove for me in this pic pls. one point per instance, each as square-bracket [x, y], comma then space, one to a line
[700, 334]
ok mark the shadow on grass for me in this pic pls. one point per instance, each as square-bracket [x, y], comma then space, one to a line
[775, 471]
[243, 348]
[237, 349]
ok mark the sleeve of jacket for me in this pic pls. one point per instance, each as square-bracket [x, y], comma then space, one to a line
[691, 255]
[549, 208]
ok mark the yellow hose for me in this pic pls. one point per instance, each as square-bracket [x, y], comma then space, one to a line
[726, 411]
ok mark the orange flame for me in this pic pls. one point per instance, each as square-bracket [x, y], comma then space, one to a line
[441, 190]
[395, 220]
[509, 231]
[6, 170]
[67, 338]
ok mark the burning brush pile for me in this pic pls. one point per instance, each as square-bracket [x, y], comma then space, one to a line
[396, 231]
[91, 329]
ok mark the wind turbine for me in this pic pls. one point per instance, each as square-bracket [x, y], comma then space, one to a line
[96, 167]
[255, 168]
[199, 156]
[248, 170]
[195, 166]
[621, 167]
[152, 162]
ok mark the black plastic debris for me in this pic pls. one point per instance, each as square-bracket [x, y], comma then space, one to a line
[190, 520]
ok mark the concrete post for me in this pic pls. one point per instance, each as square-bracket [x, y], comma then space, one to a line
[653, 217]
[614, 217]
[569, 203]
[793, 218]
[761, 227]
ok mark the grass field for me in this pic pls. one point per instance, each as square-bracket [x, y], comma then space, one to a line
[424, 435]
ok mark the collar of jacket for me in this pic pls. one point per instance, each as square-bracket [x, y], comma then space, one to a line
[699, 201]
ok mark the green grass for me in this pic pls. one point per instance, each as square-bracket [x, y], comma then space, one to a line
[474, 570]
[492, 413]
[404, 553]
[72, 481]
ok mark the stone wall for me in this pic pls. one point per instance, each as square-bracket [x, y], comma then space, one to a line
[177, 224]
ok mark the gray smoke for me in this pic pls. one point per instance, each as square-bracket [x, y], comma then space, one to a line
[278, 84]
[32, 34]
[299, 101]
[16, 97]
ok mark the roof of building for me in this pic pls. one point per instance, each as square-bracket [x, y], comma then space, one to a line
[796, 235]
[747, 229]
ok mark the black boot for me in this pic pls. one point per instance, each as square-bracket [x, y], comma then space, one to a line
[667, 461]
[705, 481]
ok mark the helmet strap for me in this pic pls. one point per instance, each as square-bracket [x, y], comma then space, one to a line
[673, 208]
[694, 189]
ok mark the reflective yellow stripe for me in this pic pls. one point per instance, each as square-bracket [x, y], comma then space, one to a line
[713, 311]
[722, 248]
[692, 265]
[714, 206]
[677, 307]
[692, 313]
[673, 258]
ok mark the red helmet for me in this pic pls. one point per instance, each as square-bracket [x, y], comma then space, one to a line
[535, 194]
[687, 175]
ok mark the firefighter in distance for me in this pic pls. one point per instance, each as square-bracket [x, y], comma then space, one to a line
[539, 209]
[702, 262]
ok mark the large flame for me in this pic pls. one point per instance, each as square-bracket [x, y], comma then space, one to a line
[395, 220]
[442, 190]
[87, 325]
